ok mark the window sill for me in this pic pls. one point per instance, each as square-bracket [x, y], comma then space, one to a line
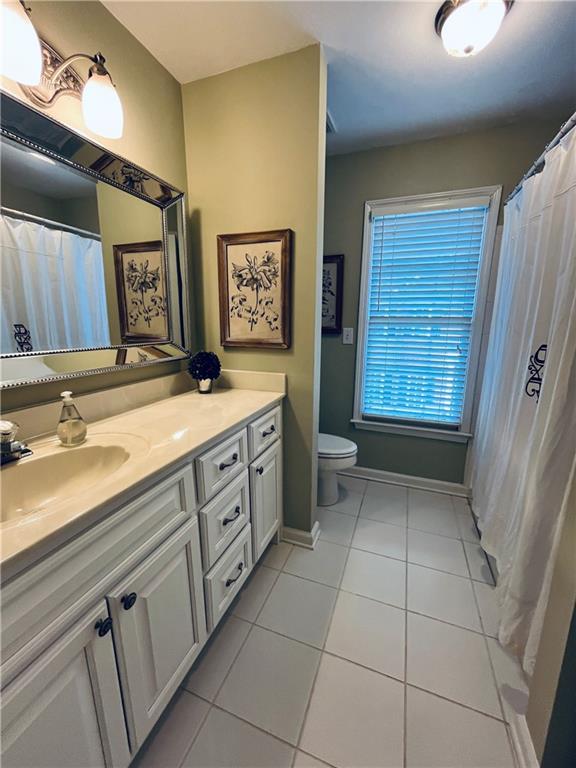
[410, 431]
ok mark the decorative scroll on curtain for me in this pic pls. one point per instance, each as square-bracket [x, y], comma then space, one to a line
[53, 290]
[524, 451]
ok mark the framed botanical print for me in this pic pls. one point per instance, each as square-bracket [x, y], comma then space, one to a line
[332, 293]
[254, 272]
[142, 291]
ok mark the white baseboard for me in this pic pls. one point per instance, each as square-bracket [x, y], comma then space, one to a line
[301, 538]
[522, 743]
[424, 483]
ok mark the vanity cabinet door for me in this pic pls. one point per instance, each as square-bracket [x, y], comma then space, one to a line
[159, 627]
[266, 498]
[65, 710]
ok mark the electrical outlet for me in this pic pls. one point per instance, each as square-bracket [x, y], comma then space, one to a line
[348, 336]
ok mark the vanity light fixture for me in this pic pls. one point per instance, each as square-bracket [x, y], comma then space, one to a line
[21, 56]
[45, 76]
[468, 26]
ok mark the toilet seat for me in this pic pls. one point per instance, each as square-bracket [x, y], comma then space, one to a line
[333, 447]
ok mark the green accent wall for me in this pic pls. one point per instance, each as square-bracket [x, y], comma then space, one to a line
[255, 151]
[153, 135]
[498, 156]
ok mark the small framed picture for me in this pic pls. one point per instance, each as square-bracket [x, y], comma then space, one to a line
[141, 286]
[332, 293]
[254, 275]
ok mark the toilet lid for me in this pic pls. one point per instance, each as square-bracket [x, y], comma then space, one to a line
[330, 445]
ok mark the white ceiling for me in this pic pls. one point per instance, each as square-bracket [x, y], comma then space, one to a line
[27, 169]
[389, 79]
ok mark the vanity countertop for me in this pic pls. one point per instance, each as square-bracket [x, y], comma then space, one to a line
[157, 436]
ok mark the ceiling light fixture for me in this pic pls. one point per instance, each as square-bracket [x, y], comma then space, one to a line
[48, 76]
[468, 26]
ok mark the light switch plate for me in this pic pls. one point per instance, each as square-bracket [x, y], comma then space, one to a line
[348, 336]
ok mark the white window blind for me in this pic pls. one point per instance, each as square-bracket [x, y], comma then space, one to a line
[422, 285]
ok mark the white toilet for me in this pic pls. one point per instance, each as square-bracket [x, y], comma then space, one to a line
[334, 455]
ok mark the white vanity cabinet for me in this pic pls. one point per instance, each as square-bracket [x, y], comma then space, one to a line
[266, 497]
[159, 627]
[98, 634]
[65, 709]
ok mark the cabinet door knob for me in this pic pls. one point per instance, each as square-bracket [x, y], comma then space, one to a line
[103, 626]
[225, 465]
[128, 600]
[268, 432]
[235, 516]
[260, 470]
[229, 582]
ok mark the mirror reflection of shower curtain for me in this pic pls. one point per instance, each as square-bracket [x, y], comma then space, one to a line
[52, 284]
[523, 457]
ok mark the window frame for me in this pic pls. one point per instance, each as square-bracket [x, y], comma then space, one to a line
[438, 201]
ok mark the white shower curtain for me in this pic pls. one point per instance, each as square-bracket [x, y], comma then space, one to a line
[524, 451]
[52, 282]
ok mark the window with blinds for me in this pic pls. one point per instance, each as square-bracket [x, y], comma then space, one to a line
[421, 287]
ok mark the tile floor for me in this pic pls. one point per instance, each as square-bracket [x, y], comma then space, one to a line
[376, 649]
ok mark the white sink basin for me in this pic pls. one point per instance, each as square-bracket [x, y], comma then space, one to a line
[54, 474]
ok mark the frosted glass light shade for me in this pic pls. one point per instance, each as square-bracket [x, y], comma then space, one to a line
[21, 54]
[471, 26]
[102, 108]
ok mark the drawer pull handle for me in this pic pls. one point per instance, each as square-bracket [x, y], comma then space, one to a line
[128, 600]
[260, 470]
[231, 463]
[235, 516]
[268, 432]
[229, 582]
[103, 626]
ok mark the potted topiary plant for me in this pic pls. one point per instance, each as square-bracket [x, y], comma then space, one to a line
[205, 368]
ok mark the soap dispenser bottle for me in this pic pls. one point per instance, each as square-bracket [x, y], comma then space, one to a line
[71, 428]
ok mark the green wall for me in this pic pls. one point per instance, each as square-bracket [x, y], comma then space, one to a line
[498, 156]
[255, 146]
[153, 132]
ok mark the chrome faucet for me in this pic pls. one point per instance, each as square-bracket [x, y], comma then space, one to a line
[10, 448]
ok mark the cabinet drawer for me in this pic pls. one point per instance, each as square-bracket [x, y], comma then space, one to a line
[264, 431]
[222, 519]
[223, 582]
[37, 603]
[219, 465]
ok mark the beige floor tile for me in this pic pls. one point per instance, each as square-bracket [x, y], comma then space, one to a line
[442, 596]
[432, 512]
[380, 538]
[385, 503]
[488, 606]
[356, 717]
[174, 734]
[270, 683]
[368, 633]
[276, 555]
[302, 760]
[438, 552]
[324, 563]
[211, 668]
[440, 734]
[299, 608]
[254, 593]
[226, 742]
[452, 662]
[380, 578]
[334, 526]
[478, 564]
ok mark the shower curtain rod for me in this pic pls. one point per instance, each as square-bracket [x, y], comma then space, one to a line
[49, 223]
[538, 164]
